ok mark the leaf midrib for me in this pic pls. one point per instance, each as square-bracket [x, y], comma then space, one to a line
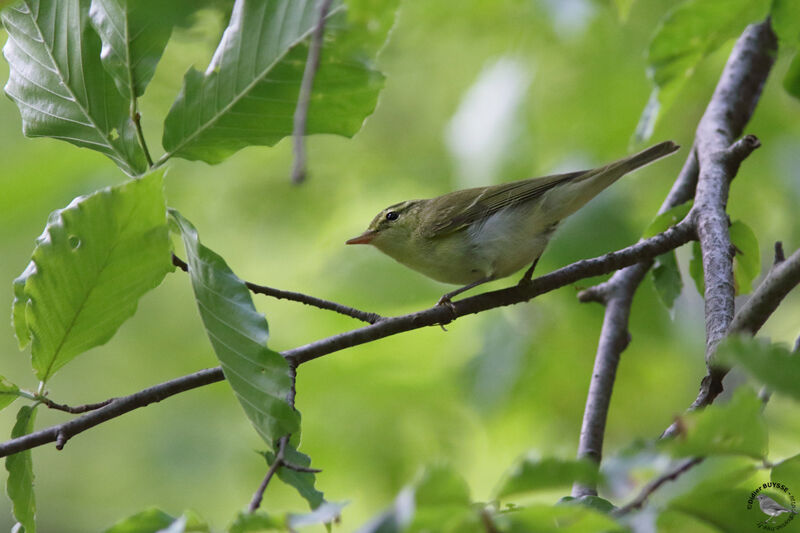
[248, 88]
[61, 77]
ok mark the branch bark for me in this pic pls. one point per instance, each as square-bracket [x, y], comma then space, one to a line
[729, 110]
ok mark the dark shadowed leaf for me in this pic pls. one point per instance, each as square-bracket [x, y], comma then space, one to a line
[238, 333]
[747, 260]
[91, 265]
[248, 94]
[19, 485]
[60, 85]
[667, 279]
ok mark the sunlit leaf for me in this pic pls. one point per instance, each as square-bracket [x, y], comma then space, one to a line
[530, 475]
[721, 506]
[134, 34]
[747, 260]
[238, 333]
[667, 279]
[8, 393]
[248, 94]
[437, 501]
[771, 364]
[324, 514]
[791, 82]
[785, 18]
[623, 8]
[91, 265]
[592, 502]
[787, 472]
[19, 485]
[735, 428]
[257, 522]
[559, 518]
[60, 85]
[687, 34]
[148, 521]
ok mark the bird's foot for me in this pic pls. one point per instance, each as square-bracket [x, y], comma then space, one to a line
[446, 302]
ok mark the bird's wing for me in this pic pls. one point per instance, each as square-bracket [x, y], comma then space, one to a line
[457, 210]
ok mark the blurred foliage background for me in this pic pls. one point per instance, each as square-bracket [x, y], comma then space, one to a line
[476, 92]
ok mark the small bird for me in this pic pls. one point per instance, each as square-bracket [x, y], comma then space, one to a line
[472, 236]
[771, 507]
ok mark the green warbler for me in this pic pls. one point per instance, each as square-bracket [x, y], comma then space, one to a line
[472, 236]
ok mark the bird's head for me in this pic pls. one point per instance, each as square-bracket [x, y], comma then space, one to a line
[392, 228]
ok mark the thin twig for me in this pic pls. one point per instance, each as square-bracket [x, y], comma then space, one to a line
[255, 503]
[136, 117]
[304, 98]
[369, 318]
[654, 485]
[79, 409]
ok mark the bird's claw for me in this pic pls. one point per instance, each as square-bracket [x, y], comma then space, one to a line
[446, 302]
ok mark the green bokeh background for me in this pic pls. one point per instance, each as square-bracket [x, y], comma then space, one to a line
[486, 391]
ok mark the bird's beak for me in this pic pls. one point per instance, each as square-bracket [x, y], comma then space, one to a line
[364, 238]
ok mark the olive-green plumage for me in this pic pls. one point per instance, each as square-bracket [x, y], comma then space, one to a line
[475, 235]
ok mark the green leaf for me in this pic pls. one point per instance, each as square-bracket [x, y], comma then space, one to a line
[155, 520]
[238, 333]
[60, 85]
[747, 261]
[722, 507]
[623, 8]
[18, 308]
[91, 265]
[785, 16]
[530, 474]
[688, 33]
[787, 472]
[663, 221]
[667, 279]
[324, 514]
[560, 518]
[256, 523]
[791, 82]
[696, 268]
[736, 428]
[437, 501]
[148, 521]
[303, 482]
[248, 94]
[134, 34]
[19, 485]
[592, 502]
[771, 364]
[8, 392]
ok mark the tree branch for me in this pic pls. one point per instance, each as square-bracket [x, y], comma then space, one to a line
[364, 316]
[654, 485]
[729, 110]
[304, 98]
[670, 239]
[62, 432]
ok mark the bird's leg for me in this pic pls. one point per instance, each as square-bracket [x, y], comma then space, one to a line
[445, 300]
[526, 277]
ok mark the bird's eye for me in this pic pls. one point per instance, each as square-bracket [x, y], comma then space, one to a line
[392, 215]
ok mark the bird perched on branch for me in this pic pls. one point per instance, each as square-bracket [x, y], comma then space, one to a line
[472, 236]
[771, 507]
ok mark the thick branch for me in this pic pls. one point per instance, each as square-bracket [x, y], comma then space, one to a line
[613, 340]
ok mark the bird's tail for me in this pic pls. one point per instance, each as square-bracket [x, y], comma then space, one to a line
[589, 184]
